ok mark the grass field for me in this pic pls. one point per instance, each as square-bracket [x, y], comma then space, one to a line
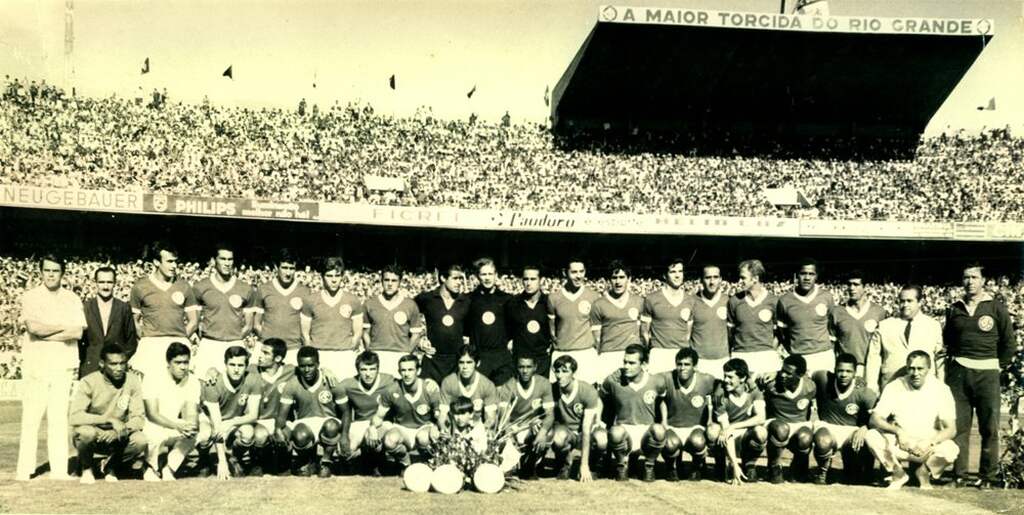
[385, 495]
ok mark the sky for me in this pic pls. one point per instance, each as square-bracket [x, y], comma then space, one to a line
[438, 51]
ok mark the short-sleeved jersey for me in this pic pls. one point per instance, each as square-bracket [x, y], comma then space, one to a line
[618, 319]
[737, 408]
[364, 402]
[281, 308]
[415, 410]
[171, 396]
[570, 405]
[850, 408]
[786, 406]
[709, 335]
[854, 326]
[688, 405]
[805, 320]
[571, 312]
[669, 318]
[481, 391]
[753, 321]
[528, 326]
[445, 325]
[634, 402]
[485, 323]
[232, 400]
[331, 319]
[162, 306]
[316, 400]
[224, 306]
[524, 401]
[272, 386]
[392, 323]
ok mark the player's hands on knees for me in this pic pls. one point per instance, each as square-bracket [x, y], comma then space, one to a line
[117, 427]
[541, 443]
[186, 428]
[372, 436]
[106, 436]
[857, 439]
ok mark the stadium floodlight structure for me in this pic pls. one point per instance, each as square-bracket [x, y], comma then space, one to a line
[769, 79]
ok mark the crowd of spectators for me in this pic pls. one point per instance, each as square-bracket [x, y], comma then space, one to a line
[51, 138]
[19, 274]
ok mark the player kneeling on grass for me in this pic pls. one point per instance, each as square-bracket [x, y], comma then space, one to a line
[738, 433]
[844, 408]
[408, 413]
[231, 407]
[633, 395]
[319, 409]
[788, 399]
[915, 421]
[107, 416]
[364, 392]
[577, 407]
[687, 402]
[522, 396]
[171, 397]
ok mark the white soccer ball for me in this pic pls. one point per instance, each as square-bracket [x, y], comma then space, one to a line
[447, 479]
[416, 477]
[488, 479]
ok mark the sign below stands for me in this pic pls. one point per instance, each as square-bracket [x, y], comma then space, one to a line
[239, 208]
[1011, 231]
[805, 23]
[68, 198]
[874, 229]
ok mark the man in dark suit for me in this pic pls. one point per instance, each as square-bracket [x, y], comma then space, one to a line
[108, 320]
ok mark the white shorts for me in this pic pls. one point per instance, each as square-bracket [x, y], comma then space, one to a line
[342, 363]
[824, 360]
[586, 364]
[662, 360]
[151, 355]
[157, 435]
[210, 354]
[761, 362]
[291, 357]
[267, 423]
[608, 363]
[840, 434]
[946, 450]
[712, 367]
[683, 433]
[636, 434]
[313, 423]
[409, 434]
[793, 427]
[357, 432]
[388, 361]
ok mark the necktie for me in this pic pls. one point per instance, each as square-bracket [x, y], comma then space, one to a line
[906, 332]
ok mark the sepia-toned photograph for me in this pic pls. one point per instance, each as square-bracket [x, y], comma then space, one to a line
[512, 256]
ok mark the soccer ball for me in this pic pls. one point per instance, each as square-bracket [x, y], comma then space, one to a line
[447, 479]
[416, 477]
[488, 479]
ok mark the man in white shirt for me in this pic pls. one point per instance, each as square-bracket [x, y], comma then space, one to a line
[54, 320]
[914, 420]
[171, 398]
[897, 337]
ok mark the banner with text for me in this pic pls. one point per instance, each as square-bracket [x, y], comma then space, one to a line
[66, 198]
[806, 23]
[239, 208]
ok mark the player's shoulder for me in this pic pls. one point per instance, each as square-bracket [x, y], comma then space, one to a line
[386, 379]
[705, 380]
[450, 381]
[613, 379]
[349, 383]
[809, 386]
[821, 377]
[429, 385]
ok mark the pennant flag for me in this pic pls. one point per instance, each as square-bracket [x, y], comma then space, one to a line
[314, 80]
[547, 95]
[990, 107]
[228, 73]
[145, 66]
[470, 94]
[391, 82]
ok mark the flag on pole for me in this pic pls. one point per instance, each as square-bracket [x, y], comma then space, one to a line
[228, 73]
[470, 94]
[145, 66]
[391, 82]
[990, 107]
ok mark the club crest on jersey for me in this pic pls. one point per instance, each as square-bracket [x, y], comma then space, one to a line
[325, 397]
[684, 313]
[295, 303]
[478, 404]
[280, 388]
[536, 403]
[802, 403]
[487, 318]
[633, 313]
[242, 399]
[533, 326]
[122, 402]
[577, 408]
[697, 401]
[448, 320]
[764, 315]
[400, 317]
[178, 298]
[821, 310]
[721, 312]
[649, 397]
[870, 325]
[345, 310]
[584, 307]
[235, 301]
[852, 409]
[986, 323]
[422, 409]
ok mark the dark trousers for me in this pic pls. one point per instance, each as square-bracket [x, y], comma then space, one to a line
[975, 391]
[497, 365]
[438, 366]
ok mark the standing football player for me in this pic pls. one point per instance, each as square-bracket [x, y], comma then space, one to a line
[752, 317]
[394, 322]
[161, 302]
[803, 319]
[856, 320]
[665, 320]
[615, 320]
[279, 305]
[709, 333]
[444, 312]
[332, 321]
[228, 306]
[526, 315]
[486, 324]
[569, 319]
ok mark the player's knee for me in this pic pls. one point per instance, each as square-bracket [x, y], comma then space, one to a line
[803, 440]
[302, 437]
[559, 438]
[824, 444]
[244, 436]
[85, 435]
[656, 433]
[697, 443]
[392, 440]
[714, 432]
[778, 433]
[426, 437]
[759, 434]
[330, 432]
[260, 436]
[672, 446]
[617, 435]
[599, 438]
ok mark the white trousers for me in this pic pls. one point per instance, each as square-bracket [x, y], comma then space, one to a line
[49, 395]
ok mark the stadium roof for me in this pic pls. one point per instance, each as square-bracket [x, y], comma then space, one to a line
[769, 76]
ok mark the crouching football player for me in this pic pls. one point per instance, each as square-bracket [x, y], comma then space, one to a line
[232, 405]
[738, 433]
[364, 392]
[687, 402]
[788, 398]
[411, 406]
[171, 397]
[525, 394]
[844, 409]
[577, 408]
[632, 393]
